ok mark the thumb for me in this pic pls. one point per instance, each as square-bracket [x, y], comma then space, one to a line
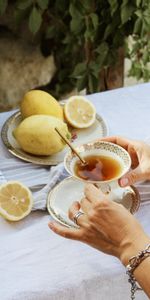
[131, 177]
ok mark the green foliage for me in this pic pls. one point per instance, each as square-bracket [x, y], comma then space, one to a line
[35, 20]
[140, 57]
[43, 4]
[3, 5]
[23, 4]
[84, 37]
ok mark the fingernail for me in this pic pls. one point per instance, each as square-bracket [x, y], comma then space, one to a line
[124, 181]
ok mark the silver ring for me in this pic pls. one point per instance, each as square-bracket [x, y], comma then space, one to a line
[76, 216]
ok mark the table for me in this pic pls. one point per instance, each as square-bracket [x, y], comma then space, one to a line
[36, 264]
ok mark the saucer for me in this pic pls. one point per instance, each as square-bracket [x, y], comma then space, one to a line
[70, 189]
[98, 130]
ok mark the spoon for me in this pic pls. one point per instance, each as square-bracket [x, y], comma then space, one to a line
[70, 145]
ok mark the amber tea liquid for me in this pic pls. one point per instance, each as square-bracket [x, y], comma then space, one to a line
[98, 168]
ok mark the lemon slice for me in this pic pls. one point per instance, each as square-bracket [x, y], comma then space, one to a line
[79, 112]
[15, 201]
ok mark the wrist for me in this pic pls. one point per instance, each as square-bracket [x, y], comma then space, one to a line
[134, 269]
[131, 248]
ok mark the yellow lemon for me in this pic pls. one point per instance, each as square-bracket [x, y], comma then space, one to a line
[15, 201]
[79, 112]
[37, 134]
[37, 102]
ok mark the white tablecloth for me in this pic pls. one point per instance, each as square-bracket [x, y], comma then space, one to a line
[36, 264]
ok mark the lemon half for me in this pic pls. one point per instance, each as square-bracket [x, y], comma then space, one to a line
[79, 112]
[15, 201]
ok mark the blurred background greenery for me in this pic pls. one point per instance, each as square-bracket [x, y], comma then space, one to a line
[86, 40]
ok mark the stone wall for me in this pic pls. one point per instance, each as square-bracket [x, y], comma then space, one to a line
[22, 67]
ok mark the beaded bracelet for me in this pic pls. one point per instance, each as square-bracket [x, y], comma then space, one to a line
[134, 262]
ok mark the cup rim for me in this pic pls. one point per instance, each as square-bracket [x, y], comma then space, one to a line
[100, 181]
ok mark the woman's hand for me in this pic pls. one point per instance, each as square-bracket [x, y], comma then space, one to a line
[140, 156]
[105, 225]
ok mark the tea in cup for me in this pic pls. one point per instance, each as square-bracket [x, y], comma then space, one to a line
[105, 163]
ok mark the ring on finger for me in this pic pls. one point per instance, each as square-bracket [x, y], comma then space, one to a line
[76, 216]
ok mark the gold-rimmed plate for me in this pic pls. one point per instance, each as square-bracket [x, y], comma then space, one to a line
[58, 201]
[98, 130]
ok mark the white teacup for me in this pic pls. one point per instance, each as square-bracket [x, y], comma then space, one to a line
[100, 148]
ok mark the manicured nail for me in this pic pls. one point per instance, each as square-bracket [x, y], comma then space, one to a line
[124, 182]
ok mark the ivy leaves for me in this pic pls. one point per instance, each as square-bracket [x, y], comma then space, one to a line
[43, 4]
[84, 36]
[35, 20]
[27, 9]
[22, 5]
[127, 10]
[105, 30]
[114, 5]
[34, 9]
[3, 5]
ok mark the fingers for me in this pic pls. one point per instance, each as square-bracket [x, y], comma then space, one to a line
[93, 194]
[82, 219]
[131, 177]
[85, 205]
[70, 233]
[121, 141]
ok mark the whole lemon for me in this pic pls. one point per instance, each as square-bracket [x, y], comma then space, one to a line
[37, 135]
[37, 102]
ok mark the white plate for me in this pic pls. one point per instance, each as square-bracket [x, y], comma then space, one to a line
[97, 130]
[70, 189]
